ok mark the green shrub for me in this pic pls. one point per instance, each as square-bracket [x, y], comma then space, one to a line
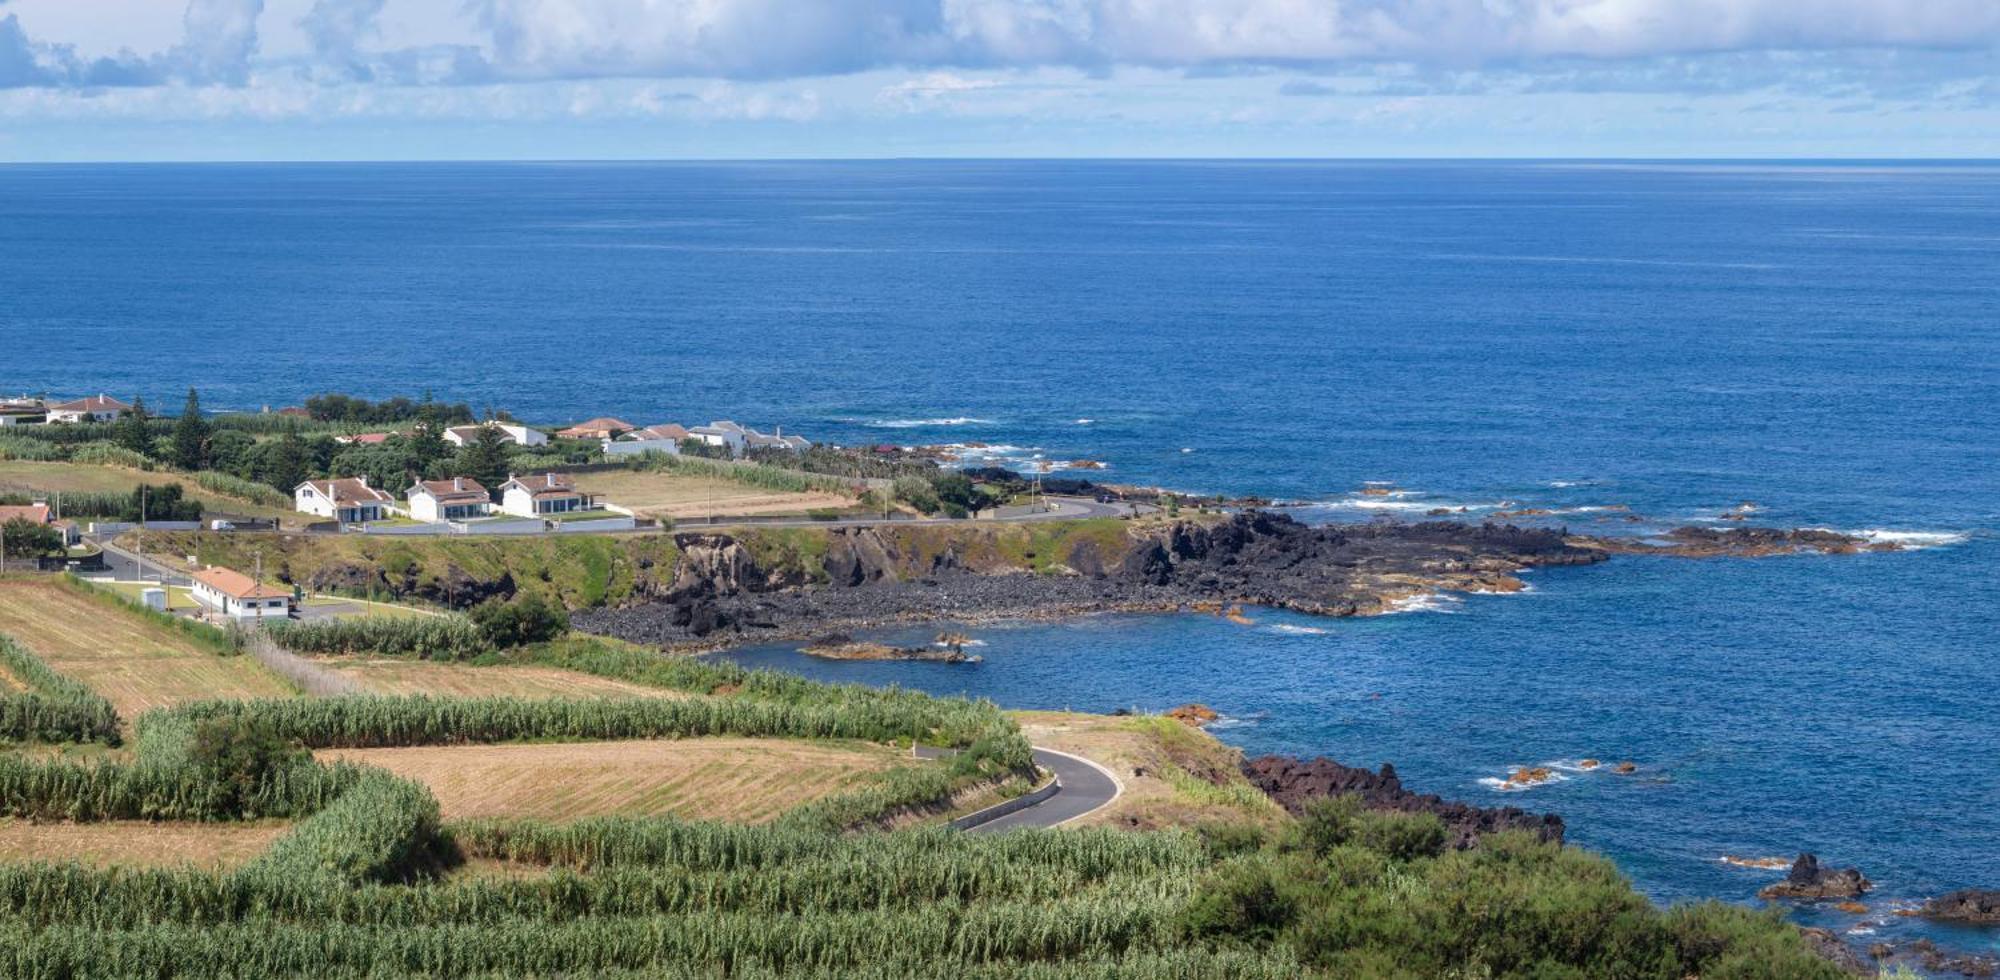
[234, 486]
[382, 829]
[421, 637]
[109, 454]
[528, 619]
[54, 708]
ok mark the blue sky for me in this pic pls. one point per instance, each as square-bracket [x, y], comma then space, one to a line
[540, 79]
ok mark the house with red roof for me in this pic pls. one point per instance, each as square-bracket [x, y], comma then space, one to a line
[228, 592]
[96, 408]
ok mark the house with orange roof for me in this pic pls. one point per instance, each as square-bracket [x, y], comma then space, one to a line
[597, 428]
[228, 592]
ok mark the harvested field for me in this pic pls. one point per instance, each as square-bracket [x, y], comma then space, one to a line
[137, 844]
[31, 477]
[675, 495]
[462, 680]
[135, 663]
[742, 779]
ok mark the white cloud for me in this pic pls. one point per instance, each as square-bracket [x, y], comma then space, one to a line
[480, 41]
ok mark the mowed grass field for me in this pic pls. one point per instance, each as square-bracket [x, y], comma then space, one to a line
[25, 477]
[135, 844]
[135, 663]
[673, 495]
[740, 779]
[463, 680]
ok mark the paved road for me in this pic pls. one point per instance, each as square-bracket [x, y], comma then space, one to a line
[1085, 788]
[128, 567]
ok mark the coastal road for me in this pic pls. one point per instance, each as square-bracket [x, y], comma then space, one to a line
[1086, 787]
[128, 567]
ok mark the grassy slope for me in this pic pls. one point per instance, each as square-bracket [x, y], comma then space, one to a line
[589, 570]
[134, 662]
[84, 477]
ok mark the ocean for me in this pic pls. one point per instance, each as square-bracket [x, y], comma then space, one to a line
[1820, 339]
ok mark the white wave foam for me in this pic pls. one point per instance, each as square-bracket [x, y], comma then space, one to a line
[925, 423]
[1499, 784]
[1186, 449]
[1912, 540]
[1227, 722]
[1085, 421]
[1291, 630]
[1427, 602]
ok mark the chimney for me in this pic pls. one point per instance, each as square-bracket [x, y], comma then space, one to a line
[458, 483]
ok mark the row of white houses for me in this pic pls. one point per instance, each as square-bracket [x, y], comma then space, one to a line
[351, 500]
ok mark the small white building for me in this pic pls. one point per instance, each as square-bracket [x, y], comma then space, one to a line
[22, 411]
[651, 439]
[519, 435]
[752, 439]
[349, 500]
[723, 433]
[540, 496]
[96, 408]
[457, 499]
[227, 592]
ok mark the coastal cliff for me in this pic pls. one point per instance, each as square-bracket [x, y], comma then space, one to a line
[874, 576]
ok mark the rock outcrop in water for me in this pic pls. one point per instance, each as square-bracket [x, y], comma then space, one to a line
[1294, 783]
[1809, 882]
[719, 590]
[1970, 906]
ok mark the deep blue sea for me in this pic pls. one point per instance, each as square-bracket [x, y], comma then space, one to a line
[1821, 339]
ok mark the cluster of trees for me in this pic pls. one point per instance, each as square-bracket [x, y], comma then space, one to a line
[946, 491]
[361, 411]
[197, 443]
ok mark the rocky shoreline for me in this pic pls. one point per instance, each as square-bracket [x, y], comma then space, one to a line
[1296, 783]
[720, 594]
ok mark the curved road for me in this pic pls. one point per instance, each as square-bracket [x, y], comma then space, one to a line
[1085, 788]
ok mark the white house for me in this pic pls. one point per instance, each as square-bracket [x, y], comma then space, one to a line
[22, 411]
[540, 496]
[520, 435]
[349, 500]
[723, 433]
[227, 592]
[651, 439]
[456, 499]
[752, 439]
[96, 408]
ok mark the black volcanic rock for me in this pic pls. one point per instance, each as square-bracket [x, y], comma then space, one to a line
[1808, 882]
[872, 576]
[1295, 783]
[1969, 905]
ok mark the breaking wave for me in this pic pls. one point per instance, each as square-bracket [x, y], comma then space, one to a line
[924, 423]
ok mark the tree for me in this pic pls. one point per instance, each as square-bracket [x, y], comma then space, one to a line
[191, 436]
[484, 458]
[229, 451]
[31, 539]
[427, 437]
[290, 463]
[131, 430]
[529, 619]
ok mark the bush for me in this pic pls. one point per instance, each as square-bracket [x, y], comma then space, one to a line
[422, 637]
[918, 493]
[239, 757]
[54, 708]
[109, 454]
[529, 619]
[235, 486]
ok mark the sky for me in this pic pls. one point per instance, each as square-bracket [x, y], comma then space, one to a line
[723, 79]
